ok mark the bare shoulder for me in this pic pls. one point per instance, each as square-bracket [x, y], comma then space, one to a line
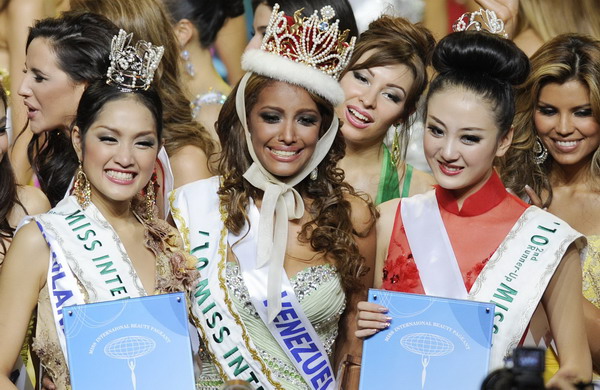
[189, 164]
[33, 199]
[28, 249]
[387, 216]
[421, 182]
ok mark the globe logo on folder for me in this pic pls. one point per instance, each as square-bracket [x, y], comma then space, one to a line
[129, 348]
[426, 345]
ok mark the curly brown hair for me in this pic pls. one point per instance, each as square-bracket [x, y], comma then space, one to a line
[330, 230]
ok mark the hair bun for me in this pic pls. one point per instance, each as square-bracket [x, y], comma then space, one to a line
[477, 54]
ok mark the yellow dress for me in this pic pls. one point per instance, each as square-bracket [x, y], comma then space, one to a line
[591, 291]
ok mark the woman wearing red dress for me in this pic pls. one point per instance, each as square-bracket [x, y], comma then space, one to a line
[469, 238]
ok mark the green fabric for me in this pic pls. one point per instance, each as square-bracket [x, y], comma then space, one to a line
[389, 184]
[407, 177]
[389, 187]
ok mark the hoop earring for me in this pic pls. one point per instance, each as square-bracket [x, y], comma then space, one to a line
[81, 188]
[189, 67]
[395, 152]
[150, 198]
[540, 153]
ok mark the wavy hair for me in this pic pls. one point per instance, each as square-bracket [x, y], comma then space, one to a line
[330, 230]
[81, 42]
[8, 191]
[566, 57]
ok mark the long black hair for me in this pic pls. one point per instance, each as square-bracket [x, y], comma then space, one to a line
[81, 42]
[98, 94]
[8, 189]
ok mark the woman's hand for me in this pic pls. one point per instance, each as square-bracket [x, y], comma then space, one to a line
[534, 198]
[371, 318]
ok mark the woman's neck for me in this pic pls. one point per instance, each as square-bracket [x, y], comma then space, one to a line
[363, 153]
[575, 175]
[116, 213]
[206, 76]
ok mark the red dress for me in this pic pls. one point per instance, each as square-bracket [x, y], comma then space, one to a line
[475, 233]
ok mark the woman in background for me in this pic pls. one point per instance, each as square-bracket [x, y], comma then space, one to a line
[382, 85]
[558, 110]
[196, 25]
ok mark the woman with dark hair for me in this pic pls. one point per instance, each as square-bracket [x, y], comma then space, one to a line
[196, 24]
[262, 11]
[475, 228]
[382, 85]
[105, 223]
[15, 201]
[188, 145]
[279, 236]
[64, 56]
[558, 128]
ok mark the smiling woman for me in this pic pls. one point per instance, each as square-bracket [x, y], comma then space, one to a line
[460, 240]
[116, 138]
[279, 235]
[382, 85]
[560, 105]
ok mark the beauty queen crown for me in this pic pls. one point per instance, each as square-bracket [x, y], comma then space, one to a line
[132, 67]
[307, 51]
[482, 20]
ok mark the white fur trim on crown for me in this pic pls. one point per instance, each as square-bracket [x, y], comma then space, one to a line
[283, 69]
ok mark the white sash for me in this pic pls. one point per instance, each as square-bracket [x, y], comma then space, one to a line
[84, 251]
[217, 320]
[291, 328]
[206, 236]
[431, 247]
[517, 274]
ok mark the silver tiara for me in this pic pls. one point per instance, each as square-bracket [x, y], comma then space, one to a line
[132, 67]
[482, 20]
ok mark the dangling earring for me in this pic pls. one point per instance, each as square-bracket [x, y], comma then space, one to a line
[81, 188]
[540, 153]
[314, 174]
[395, 153]
[150, 198]
[189, 67]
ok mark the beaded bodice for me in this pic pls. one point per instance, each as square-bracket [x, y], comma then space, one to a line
[320, 294]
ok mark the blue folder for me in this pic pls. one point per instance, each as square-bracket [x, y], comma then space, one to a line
[138, 343]
[432, 343]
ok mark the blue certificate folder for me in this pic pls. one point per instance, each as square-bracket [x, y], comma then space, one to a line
[432, 343]
[138, 343]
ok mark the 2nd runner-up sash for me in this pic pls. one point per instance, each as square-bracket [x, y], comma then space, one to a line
[514, 278]
[196, 211]
[84, 250]
[290, 328]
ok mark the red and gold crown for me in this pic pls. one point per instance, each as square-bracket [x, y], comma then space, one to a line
[307, 51]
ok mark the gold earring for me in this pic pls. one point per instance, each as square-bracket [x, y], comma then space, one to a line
[150, 198]
[395, 152]
[81, 188]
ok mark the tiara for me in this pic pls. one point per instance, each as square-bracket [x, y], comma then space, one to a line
[314, 41]
[132, 67]
[482, 20]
